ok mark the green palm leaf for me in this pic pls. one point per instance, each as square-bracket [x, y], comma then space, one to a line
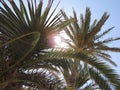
[25, 31]
[98, 65]
[85, 36]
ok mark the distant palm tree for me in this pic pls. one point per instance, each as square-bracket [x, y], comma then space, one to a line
[26, 31]
[85, 37]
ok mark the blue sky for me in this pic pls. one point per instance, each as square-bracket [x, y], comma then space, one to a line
[98, 7]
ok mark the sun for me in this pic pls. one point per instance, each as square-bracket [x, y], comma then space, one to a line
[57, 40]
[60, 40]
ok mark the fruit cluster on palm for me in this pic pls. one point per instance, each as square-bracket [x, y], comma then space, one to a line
[28, 57]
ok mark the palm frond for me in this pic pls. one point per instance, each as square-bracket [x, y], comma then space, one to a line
[107, 48]
[98, 26]
[81, 37]
[87, 20]
[83, 77]
[24, 32]
[103, 34]
[22, 52]
[39, 78]
[106, 57]
[106, 41]
[102, 67]
[100, 80]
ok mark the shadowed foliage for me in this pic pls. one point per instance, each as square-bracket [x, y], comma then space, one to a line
[25, 31]
[28, 57]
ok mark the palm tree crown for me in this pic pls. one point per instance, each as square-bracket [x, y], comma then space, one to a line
[28, 56]
[85, 37]
[25, 31]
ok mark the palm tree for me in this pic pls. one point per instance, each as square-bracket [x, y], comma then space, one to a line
[78, 77]
[85, 37]
[26, 57]
[100, 74]
[25, 34]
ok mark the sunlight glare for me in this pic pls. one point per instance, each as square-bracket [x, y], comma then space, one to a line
[60, 40]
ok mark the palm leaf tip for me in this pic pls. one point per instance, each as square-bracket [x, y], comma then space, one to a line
[98, 26]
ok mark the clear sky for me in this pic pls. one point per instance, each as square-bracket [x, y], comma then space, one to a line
[98, 7]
